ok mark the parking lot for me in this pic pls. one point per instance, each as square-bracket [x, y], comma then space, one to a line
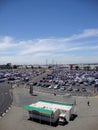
[54, 85]
[57, 81]
[76, 83]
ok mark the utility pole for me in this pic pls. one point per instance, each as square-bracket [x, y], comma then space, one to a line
[46, 62]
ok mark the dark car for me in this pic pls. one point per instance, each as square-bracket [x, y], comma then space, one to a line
[34, 83]
[69, 89]
[84, 89]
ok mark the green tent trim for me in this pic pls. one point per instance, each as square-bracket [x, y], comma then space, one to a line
[59, 103]
[39, 110]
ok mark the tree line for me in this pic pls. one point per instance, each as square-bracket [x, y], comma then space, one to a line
[8, 66]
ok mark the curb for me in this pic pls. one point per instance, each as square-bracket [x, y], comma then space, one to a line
[3, 114]
[6, 111]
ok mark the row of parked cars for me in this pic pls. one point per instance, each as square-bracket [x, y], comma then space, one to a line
[59, 86]
[23, 76]
[66, 80]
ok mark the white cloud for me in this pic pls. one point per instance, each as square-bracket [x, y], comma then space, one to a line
[7, 43]
[38, 50]
[85, 34]
[64, 44]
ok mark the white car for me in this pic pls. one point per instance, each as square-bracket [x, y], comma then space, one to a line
[56, 86]
[50, 87]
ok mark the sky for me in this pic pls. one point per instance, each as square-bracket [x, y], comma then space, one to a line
[56, 31]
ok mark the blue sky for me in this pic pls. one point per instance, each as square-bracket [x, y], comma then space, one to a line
[63, 31]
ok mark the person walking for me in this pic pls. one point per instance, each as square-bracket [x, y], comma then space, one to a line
[88, 103]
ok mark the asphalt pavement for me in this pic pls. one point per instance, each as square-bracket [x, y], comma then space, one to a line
[17, 117]
[5, 97]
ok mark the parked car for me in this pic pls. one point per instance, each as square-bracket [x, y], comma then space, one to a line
[50, 87]
[76, 89]
[62, 88]
[84, 89]
[69, 89]
[56, 86]
[34, 83]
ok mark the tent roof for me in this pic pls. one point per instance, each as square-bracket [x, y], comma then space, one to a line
[39, 110]
[58, 103]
